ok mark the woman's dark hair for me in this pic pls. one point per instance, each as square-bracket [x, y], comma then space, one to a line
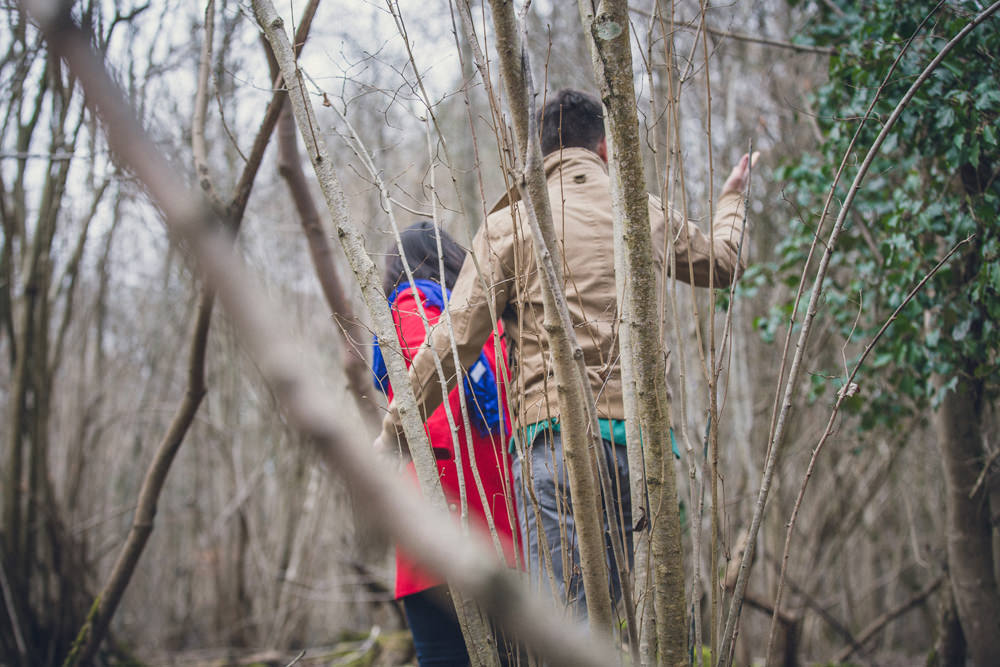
[420, 248]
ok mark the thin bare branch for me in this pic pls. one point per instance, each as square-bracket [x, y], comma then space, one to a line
[743, 37]
[198, 146]
[608, 36]
[11, 609]
[841, 397]
[984, 475]
[879, 623]
[437, 544]
[779, 417]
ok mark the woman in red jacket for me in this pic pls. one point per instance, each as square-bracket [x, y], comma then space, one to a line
[437, 637]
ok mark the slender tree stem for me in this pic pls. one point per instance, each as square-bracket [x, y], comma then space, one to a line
[576, 408]
[813, 308]
[843, 394]
[436, 544]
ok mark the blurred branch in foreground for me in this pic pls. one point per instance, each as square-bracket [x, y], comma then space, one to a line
[436, 544]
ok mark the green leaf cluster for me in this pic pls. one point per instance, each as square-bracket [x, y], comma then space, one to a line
[935, 182]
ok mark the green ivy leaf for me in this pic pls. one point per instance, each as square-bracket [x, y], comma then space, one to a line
[990, 135]
[946, 118]
[933, 337]
[917, 203]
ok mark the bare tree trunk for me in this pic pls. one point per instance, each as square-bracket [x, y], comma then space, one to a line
[969, 532]
[607, 28]
[578, 414]
[469, 182]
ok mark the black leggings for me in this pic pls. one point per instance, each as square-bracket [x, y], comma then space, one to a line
[437, 637]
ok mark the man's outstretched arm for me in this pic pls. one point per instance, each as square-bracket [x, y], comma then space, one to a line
[697, 254]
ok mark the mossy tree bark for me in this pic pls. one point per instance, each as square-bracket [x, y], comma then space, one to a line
[577, 412]
[969, 534]
[607, 29]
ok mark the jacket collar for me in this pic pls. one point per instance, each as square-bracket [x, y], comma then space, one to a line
[566, 160]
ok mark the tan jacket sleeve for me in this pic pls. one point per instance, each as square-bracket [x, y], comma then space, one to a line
[471, 317]
[692, 248]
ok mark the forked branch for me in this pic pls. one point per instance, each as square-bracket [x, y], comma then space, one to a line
[812, 310]
[436, 544]
[95, 626]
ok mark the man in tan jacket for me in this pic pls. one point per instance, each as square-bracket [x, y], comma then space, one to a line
[502, 280]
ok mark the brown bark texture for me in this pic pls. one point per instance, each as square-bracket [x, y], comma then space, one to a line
[969, 531]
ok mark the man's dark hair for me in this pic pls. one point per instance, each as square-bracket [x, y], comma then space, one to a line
[571, 118]
[420, 247]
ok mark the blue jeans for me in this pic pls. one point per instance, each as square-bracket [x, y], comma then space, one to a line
[437, 636]
[543, 466]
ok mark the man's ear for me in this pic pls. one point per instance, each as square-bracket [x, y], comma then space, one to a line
[602, 149]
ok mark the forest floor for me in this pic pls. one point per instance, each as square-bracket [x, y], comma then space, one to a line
[378, 649]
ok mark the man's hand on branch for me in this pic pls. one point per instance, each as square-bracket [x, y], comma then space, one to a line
[740, 175]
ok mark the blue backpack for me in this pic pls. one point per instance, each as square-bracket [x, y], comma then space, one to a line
[480, 384]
